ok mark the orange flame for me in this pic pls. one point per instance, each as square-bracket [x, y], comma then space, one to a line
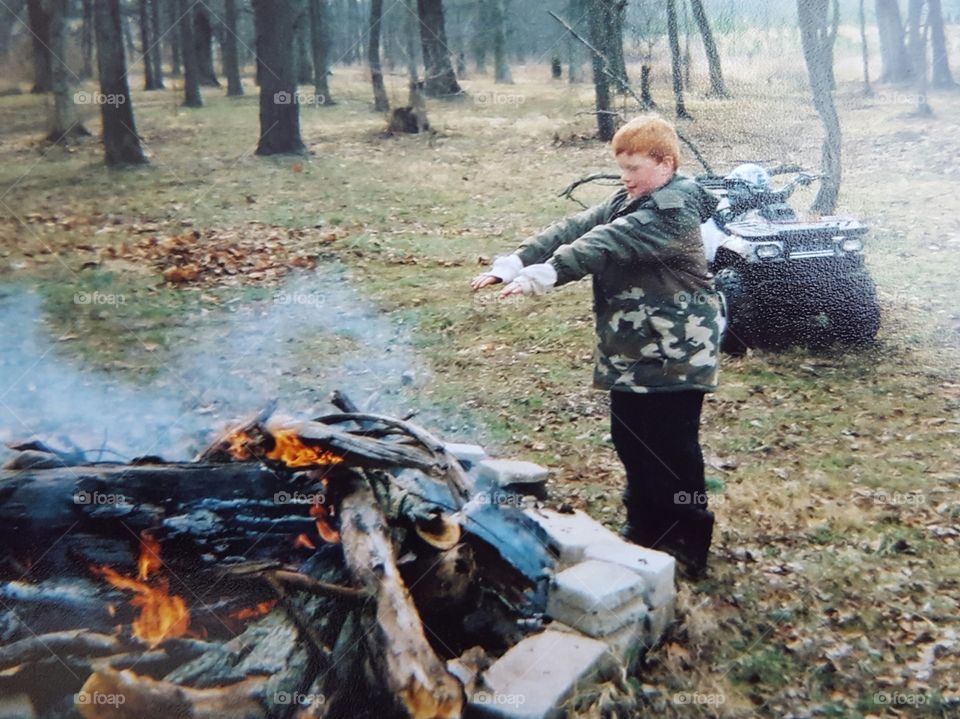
[327, 533]
[255, 611]
[292, 451]
[303, 540]
[162, 615]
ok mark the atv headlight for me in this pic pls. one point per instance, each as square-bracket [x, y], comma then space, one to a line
[852, 244]
[768, 251]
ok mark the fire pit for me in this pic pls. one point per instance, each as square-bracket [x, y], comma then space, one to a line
[346, 565]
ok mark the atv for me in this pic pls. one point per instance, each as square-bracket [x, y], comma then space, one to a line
[785, 280]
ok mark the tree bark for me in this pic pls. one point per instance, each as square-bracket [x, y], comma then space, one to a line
[440, 79]
[816, 37]
[276, 26]
[893, 52]
[501, 68]
[191, 72]
[173, 34]
[86, 40]
[867, 90]
[203, 46]
[380, 101]
[320, 46]
[613, 45]
[121, 143]
[156, 44]
[304, 53]
[64, 121]
[9, 12]
[39, 22]
[231, 60]
[942, 77]
[410, 41]
[717, 86]
[606, 127]
[918, 56]
[675, 61]
[149, 78]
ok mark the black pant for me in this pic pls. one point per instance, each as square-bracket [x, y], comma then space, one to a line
[657, 437]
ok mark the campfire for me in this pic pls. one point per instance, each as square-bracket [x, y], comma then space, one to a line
[344, 565]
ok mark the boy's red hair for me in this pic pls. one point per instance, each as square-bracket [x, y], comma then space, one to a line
[651, 136]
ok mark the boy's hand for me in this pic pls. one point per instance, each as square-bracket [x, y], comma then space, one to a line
[514, 288]
[484, 280]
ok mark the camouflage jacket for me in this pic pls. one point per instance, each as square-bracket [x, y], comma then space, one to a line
[657, 312]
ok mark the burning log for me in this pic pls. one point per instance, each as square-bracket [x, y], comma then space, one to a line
[413, 673]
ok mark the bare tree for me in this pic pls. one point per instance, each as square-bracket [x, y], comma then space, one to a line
[39, 23]
[817, 38]
[320, 45]
[191, 73]
[276, 27]
[498, 19]
[717, 86]
[867, 90]
[606, 125]
[380, 101]
[231, 59]
[156, 44]
[942, 77]
[121, 144]
[440, 79]
[893, 52]
[918, 55]
[64, 120]
[150, 80]
[203, 45]
[675, 60]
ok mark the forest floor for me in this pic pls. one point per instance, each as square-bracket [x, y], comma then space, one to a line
[834, 587]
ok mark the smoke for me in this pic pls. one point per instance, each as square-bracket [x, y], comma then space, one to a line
[314, 335]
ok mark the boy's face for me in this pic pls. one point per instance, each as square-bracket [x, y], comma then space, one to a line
[641, 174]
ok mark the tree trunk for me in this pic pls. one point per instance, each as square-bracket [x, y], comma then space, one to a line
[156, 44]
[606, 127]
[675, 63]
[191, 73]
[440, 79]
[380, 101]
[276, 27]
[918, 55]
[501, 68]
[203, 46]
[867, 90]
[816, 36]
[121, 143]
[645, 95]
[173, 33]
[612, 47]
[9, 12]
[86, 40]
[39, 21]
[410, 40]
[149, 75]
[717, 86]
[893, 52]
[574, 48]
[320, 45]
[942, 77]
[64, 121]
[304, 59]
[231, 61]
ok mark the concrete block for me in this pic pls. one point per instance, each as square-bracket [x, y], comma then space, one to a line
[568, 535]
[504, 472]
[657, 621]
[537, 675]
[656, 568]
[628, 643]
[599, 622]
[467, 454]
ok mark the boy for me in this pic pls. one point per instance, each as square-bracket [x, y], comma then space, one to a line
[657, 322]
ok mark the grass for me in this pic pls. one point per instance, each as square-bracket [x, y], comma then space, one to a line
[821, 595]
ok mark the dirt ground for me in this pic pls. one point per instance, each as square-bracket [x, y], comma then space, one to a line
[835, 575]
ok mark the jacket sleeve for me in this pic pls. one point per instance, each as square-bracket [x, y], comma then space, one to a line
[540, 247]
[641, 236]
